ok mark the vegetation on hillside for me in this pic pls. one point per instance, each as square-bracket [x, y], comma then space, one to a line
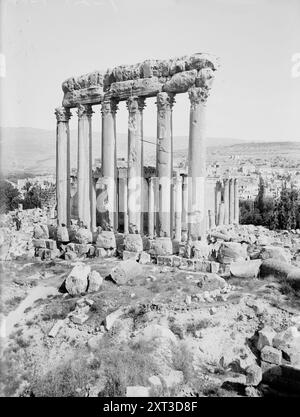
[275, 213]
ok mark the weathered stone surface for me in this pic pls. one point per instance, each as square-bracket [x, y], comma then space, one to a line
[245, 269]
[144, 258]
[133, 243]
[125, 271]
[293, 278]
[84, 236]
[173, 379]
[77, 281]
[156, 331]
[181, 82]
[111, 318]
[130, 255]
[163, 246]
[277, 252]
[79, 318]
[200, 250]
[253, 375]
[94, 342]
[106, 240]
[282, 270]
[39, 243]
[154, 381]
[55, 329]
[138, 391]
[231, 251]
[209, 282]
[94, 281]
[265, 338]
[271, 355]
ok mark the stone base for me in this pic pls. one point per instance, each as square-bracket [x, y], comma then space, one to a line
[44, 243]
[105, 253]
[131, 255]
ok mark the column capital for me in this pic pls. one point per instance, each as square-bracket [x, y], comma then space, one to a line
[200, 92]
[164, 102]
[132, 104]
[62, 114]
[84, 110]
[109, 106]
[198, 95]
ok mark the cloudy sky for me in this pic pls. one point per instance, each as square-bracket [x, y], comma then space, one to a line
[256, 95]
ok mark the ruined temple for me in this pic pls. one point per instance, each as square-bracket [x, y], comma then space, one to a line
[160, 202]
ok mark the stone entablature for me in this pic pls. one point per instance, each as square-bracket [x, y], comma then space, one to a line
[145, 79]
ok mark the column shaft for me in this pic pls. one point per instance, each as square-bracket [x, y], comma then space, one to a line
[231, 201]
[221, 214]
[197, 165]
[185, 202]
[218, 200]
[84, 166]
[164, 162]
[63, 165]
[178, 206]
[236, 201]
[226, 201]
[135, 107]
[108, 205]
[151, 207]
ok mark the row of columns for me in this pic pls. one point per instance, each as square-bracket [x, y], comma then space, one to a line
[188, 197]
[227, 202]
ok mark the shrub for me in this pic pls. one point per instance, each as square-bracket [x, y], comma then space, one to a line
[58, 310]
[183, 360]
[125, 365]
[192, 327]
[68, 379]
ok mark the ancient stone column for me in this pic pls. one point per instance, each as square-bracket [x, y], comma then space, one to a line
[84, 165]
[63, 165]
[151, 206]
[197, 155]
[231, 201]
[135, 107]
[221, 214]
[226, 201]
[236, 201]
[123, 200]
[218, 191]
[184, 213]
[178, 206]
[107, 203]
[164, 162]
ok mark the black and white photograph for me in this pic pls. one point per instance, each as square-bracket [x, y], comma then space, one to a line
[149, 201]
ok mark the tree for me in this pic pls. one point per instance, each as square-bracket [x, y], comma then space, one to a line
[9, 197]
[32, 198]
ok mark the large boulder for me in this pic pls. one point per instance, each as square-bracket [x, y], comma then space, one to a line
[95, 281]
[201, 250]
[133, 243]
[106, 240]
[293, 278]
[231, 252]
[276, 252]
[245, 269]
[281, 270]
[125, 271]
[163, 246]
[210, 282]
[77, 281]
[156, 331]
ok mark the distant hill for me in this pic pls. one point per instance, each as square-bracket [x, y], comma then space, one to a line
[31, 150]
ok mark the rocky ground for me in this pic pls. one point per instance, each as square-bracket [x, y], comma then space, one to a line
[165, 331]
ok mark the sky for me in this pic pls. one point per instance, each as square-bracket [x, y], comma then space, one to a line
[256, 93]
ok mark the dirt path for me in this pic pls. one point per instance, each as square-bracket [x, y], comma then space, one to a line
[8, 322]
